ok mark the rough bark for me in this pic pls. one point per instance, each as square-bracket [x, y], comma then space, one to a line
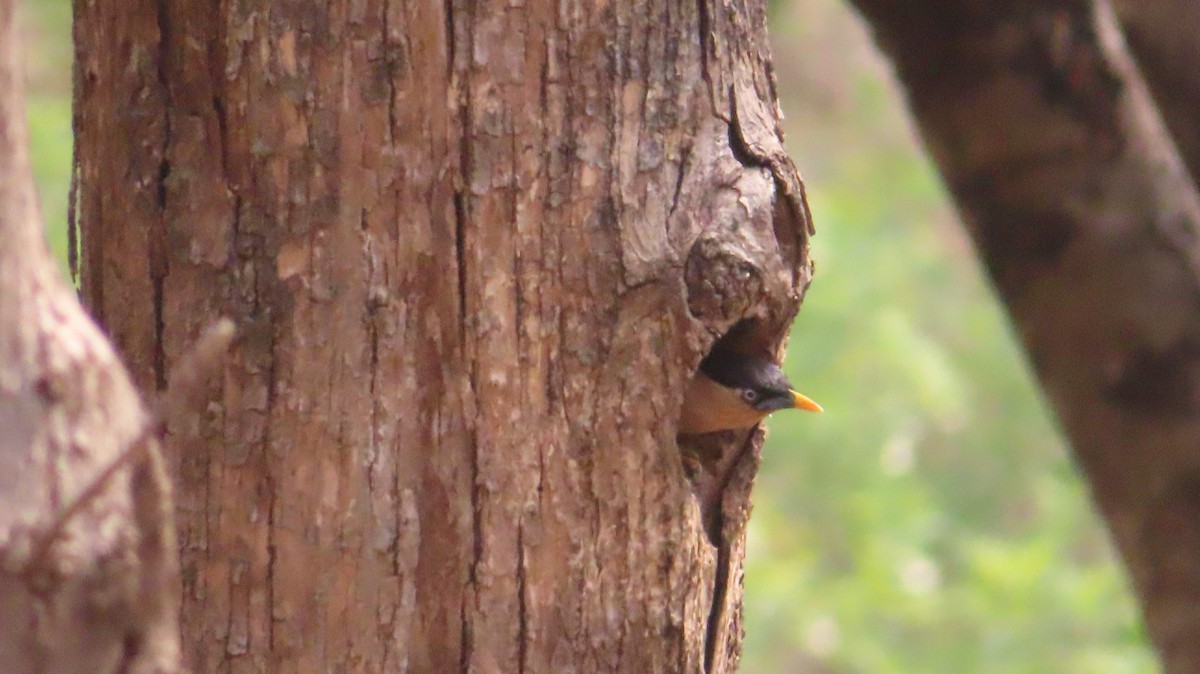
[88, 578]
[474, 251]
[1087, 221]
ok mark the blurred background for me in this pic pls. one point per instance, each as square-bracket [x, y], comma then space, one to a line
[930, 522]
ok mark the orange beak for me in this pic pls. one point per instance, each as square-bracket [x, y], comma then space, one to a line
[803, 402]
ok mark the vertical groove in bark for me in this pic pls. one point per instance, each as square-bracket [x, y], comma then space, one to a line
[87, 565]
[454, 237]
[1087, 221]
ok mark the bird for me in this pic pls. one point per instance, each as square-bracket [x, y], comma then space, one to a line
[732, 390]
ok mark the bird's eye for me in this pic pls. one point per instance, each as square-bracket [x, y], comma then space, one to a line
[749, 395]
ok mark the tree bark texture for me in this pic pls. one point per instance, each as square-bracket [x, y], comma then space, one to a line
[474, 251]
[1161, 35]
[1087, 221]
[88, 579]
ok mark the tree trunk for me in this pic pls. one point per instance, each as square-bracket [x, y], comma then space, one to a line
[474, 251]
[1088, 222]
[87, 562]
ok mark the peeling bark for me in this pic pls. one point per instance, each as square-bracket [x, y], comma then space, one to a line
[87, 551]
[1087, 221]
[474, 251]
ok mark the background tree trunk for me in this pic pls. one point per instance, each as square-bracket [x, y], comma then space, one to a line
[87, 551]
[1087, 219]
[474, 251]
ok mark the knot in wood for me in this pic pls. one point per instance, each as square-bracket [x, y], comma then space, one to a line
[723, 283]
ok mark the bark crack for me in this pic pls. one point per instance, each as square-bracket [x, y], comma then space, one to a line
[157, 263]
[375, 302]
[705, 32]
[737, 142]
[451, 40]
[476, 551]
[390, 65]
[269, 484]
[522, 609]
[721, 537]
[160, 356]
[518, 262]
[720, 590]
[461, 93]
[222, 136]
[469, 592]
[464, 640]
[465, 162]
[684, 159]
[460, 246]
[220, 60]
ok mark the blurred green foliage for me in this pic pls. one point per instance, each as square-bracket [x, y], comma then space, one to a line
[930, 521]
[46, 42]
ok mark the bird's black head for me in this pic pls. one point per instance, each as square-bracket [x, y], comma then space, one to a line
[760, 382]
